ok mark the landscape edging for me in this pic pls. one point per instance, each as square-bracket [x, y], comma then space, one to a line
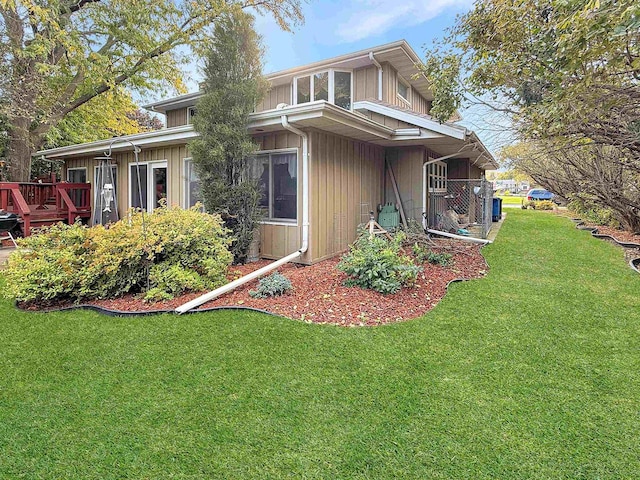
[634, 263]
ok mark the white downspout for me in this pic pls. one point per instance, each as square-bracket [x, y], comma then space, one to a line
[305, 180]
[207, 297]
[377, 64]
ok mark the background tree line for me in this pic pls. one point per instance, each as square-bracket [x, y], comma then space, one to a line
[70, 62]
[567, 74]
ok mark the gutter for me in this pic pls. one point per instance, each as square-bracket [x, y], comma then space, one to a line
[207, 297]
[377, 64]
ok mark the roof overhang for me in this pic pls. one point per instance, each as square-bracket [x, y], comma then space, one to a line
[166, 136]
[322, 116]
[399, 54]
[445, 138]
[180, 101]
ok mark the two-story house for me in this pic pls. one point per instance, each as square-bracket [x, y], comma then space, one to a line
[328, 135]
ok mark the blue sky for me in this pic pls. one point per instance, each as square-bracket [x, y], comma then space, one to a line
[334, 28]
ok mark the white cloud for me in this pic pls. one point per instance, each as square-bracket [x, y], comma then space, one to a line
[367, 18]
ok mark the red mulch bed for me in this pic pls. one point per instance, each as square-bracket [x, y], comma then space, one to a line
[319, 295]
[621, 235]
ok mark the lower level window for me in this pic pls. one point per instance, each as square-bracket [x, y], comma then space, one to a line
[438, 177]
[277, 175]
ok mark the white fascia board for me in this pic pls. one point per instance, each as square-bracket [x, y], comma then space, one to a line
[166, 135]
[162, 106]
[449, 130]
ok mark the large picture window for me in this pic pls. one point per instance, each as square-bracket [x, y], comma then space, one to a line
[333, 86]
[277, 176]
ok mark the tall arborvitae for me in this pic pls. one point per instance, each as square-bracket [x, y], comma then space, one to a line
[233, 86]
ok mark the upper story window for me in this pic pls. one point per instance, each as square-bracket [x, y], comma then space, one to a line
[403, 90]
[334, 86]
[191, 112]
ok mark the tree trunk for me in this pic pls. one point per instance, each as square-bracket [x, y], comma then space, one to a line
[20, 150]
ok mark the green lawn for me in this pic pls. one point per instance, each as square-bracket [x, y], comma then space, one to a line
[539, 380]
[512, 200]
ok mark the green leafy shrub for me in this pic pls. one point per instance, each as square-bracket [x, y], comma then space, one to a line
[442, 259]
[539, 205]
[176, 251]
[590, 212]
[274, 284]
[424, 254]
[377, 264]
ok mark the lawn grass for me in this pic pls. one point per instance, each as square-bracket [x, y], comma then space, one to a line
[537, 380]
[512, 200]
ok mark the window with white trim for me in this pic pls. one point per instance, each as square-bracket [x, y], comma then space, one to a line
[191, 112]
[277, 176]
[438, 177]
[192, 192]
[334, 86]
[403, 90]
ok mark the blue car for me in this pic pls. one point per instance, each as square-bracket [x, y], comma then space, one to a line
[537, 194]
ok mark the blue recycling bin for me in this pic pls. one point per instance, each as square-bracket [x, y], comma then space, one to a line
[496, 213]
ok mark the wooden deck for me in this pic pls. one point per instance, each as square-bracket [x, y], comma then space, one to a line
[41, 204]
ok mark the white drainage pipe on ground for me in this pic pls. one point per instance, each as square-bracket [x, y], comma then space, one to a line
[207, 297]
[459, 237]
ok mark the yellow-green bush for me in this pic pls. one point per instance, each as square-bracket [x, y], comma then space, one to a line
[170, 251]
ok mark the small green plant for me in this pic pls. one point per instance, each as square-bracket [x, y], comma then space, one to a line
[442, 259]
[423, 254]
[377, 264]
[271, 286]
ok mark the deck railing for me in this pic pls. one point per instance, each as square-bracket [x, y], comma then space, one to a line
[45, 201]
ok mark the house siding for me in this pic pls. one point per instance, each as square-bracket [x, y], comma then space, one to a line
[278, 240]
[417, 102]
[365, 83]
[276, 95]
[177, 117]
[174, 156]
[407, 168]
[346, 183]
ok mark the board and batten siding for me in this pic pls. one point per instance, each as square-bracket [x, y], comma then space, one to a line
[280, 239]
[174, 156]
[177, 117]
[417, 102]
[407, 168]
[365, 83]
[276, 95]
[346, 182]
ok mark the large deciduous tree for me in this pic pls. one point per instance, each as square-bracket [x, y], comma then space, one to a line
[567, 72]
[232, 87]
[57, 55]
